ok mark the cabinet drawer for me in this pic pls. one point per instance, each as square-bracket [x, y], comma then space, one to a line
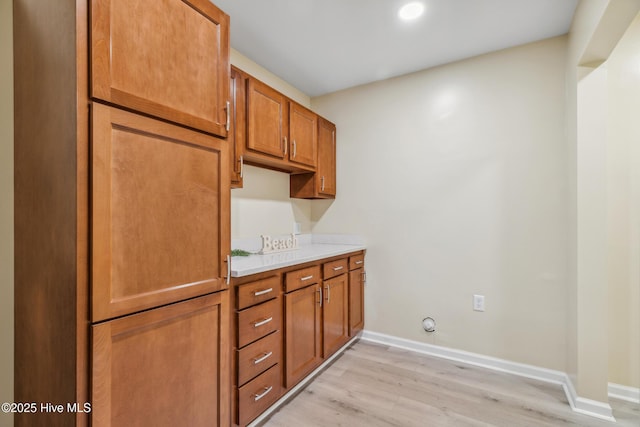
[301, 278]
[258, 321]
[335, 268]
[256, 292]
[356, 261]
[257, 357]
[257, 395]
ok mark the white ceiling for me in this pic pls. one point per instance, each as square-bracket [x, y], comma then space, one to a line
[321, 46]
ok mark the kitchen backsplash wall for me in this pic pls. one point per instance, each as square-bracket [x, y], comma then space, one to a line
[263, 206]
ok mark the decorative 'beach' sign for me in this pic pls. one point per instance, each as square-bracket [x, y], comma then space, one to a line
[271, 244]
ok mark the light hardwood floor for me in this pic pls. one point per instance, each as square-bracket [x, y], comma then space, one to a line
[375, 385]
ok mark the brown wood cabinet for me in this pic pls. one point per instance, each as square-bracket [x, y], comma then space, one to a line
[314, 301]
[267, 123]
[156, 189]
[357, 278]
[169, 59]
[279, 134]
[237, 138]
[122, 211]
[303, 341]
[335, 306]
[303, 135]
[257, 373]
[257, 395]
[171, 361]
[269, 130]
[322, 183]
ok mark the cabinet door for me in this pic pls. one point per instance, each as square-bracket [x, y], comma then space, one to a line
[303, 333]
[322, 183]
[335, 321]
[164, 367]
[267, 112]
[356, 301]
[303, 135]
[160, 213]
[169, 59]
[238, 126]
[326, 173]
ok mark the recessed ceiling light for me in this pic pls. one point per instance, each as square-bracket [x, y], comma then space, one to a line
[411, 10]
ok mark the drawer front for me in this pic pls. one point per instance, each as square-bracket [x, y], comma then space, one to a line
[256, 322]
[256, 292]
[257, 395]
[258, 357]
[356, 261]
[335, 268]
[301, 278]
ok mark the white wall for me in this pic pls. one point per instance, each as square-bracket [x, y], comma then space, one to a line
[592, 237]
[623, 209]
[597, 27]
[585, 21]
[263, 205]
[6, 207]
[456, 177]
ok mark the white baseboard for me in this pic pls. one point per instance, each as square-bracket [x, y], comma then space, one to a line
[578, 404]
[623, 392]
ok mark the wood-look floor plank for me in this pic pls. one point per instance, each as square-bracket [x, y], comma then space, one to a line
[380, 386]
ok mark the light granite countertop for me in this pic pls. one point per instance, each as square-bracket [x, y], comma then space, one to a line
[311, 248]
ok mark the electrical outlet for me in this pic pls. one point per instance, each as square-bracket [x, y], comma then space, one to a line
[478, 302]
[297, 228]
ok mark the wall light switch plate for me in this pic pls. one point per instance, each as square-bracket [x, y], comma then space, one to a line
[297, 228]
[478, 302]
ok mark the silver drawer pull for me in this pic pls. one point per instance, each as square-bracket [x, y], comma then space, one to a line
[302, 279]
[338, 268]
[258, 293]
[266, 391]
[359, 262]
[262, 322]
[263, 358]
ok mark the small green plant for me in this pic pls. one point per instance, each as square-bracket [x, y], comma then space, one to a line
[240, 252]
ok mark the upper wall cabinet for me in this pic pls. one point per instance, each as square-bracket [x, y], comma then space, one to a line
[322, 183]
[142, 55]
[303, 134]
[238, 126]
[270, 130]
[281, 134]
[267, 121]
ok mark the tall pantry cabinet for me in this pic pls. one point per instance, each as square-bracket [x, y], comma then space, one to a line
[122, 212]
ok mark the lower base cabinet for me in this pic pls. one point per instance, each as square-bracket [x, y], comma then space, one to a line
[303, 334]
[258, 394]
[335, 314]
[164, 367]
[321, 307]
